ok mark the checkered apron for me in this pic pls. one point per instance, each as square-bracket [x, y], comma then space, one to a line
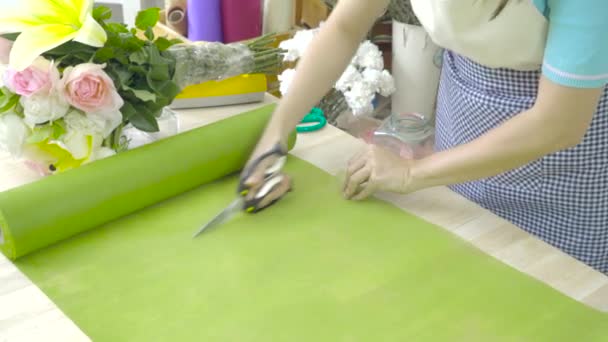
[561, 198]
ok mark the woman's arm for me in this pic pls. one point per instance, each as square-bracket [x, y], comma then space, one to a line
[324, 62]
[558, 120]
[317, 71]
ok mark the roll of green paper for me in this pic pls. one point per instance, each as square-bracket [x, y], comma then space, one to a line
[58, 207]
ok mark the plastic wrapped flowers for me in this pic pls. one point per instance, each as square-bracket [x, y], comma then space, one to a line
[363, 79]
[71, 81]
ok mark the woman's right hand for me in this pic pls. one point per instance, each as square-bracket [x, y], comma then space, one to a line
[254, 178]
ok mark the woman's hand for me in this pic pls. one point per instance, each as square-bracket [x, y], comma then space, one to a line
[376, 169]
[254, 179]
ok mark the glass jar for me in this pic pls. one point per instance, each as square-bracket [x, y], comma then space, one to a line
[410, 135]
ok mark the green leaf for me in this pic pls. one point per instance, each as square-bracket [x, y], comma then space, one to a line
[47, 131]
[141, 94]
[162, 43]
[8, 100]
[40, 134]
[104, 54]
[147, 18]
[102, 13]
[139, 57]
[128, 111]
[124, 76]
[144, 121]
[59, 129]
[117, 28]
[149, 33]
[10, 36]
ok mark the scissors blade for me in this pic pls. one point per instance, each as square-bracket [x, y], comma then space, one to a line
[234, 208]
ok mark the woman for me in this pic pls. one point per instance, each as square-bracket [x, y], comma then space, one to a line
[522, 113]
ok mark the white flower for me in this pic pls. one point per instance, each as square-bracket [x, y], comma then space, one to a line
[350, 77]
[360, 98]
[296, 46]
[13, 133]
[47, 105]
[387, 84]
[3, 69]
[85, 133]
[372, 77]
[369, 56]
[285, 79]
[100, 153]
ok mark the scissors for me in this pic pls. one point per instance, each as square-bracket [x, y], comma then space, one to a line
[316, 117]
[272, 179]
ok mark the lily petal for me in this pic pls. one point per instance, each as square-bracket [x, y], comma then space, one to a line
[85, 6]
[91, 33]
[37, 40]
[17, 24]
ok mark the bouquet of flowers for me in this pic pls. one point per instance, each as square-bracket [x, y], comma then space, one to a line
[71, 81]
[357, 88]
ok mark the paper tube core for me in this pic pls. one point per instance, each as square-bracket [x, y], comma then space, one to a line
[176, 15]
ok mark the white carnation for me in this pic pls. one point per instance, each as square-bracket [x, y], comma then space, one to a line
[296, 46]
[41, 108]
[13, 134]
[387, 84]
[350, 77]
[373, 78]
[369, 56]
[285, 78]
[360, 98]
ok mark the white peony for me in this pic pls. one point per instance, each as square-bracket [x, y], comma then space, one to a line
[285, 78]
[100, 153]
[13, 134]
[41, 108]
[85, 133]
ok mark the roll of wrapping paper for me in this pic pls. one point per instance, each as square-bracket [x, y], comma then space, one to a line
[241, 19]
[416, 69]
[278, 16]
[176, 16]
[58, 207]
[205, 20]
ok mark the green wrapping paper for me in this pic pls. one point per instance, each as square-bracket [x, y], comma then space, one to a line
[58, 207]
[314, 268]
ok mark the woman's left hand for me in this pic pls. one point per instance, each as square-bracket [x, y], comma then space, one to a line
[376, 169]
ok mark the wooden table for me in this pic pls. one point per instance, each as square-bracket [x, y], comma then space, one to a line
[26, 314]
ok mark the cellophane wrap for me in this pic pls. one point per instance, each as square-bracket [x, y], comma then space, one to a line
[209, 61]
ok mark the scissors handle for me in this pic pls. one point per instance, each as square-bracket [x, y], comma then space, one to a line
[272, 178]
[315, 117]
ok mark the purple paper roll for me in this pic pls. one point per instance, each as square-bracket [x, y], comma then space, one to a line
[241, 19]
[205, 20]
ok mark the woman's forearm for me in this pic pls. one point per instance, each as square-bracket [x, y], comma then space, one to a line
[325, 60]
[559, 120]
[515, 143]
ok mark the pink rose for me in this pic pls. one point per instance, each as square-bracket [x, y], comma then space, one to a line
[38, 77]
[5, 50]
[88, 88]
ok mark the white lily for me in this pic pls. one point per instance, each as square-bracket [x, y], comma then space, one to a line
[46, 24]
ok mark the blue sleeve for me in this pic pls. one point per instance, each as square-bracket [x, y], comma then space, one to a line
[576, 53]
